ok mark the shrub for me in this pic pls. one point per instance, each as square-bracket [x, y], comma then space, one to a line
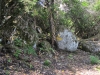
[47, 63]
[94, 59]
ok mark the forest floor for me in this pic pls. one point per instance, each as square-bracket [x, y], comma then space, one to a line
[61, 63]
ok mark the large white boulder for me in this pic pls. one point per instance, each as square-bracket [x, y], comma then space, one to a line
[66, 40]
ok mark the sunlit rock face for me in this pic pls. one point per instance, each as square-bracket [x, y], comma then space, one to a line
[66, 40]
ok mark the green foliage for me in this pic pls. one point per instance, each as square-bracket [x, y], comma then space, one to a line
[29, 50]
[80, 19]
[18, 42]
[70, 56]
[9, 60]
[97, 5]
[85, 4]
[30, 65]
[48, 50]
[29, 4]
[94, 59]
[7, 72]
[46, 47]
[47, 63]
[17, 53]
[64, 19]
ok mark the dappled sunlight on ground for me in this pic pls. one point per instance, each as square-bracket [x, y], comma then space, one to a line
[88, 72]
[63, 63]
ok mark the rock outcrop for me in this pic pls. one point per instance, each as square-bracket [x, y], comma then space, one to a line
[92, 44]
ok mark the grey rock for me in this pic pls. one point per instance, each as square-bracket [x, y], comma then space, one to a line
[91, 46]
[66, 40]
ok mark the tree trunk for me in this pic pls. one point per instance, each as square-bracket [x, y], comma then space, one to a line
[51, 20]
[52, 30]
[1, 9]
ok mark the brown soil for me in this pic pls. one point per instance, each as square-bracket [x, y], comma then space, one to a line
[62, 63]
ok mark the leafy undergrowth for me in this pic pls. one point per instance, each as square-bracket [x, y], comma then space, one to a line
[94, 59]
[60, 63]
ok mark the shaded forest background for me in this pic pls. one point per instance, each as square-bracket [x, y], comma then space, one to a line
[24, 23]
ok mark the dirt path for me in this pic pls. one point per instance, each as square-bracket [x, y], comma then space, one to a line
[62, 63]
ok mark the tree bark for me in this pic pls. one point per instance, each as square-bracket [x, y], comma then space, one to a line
[0, 11]
[52, 24]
